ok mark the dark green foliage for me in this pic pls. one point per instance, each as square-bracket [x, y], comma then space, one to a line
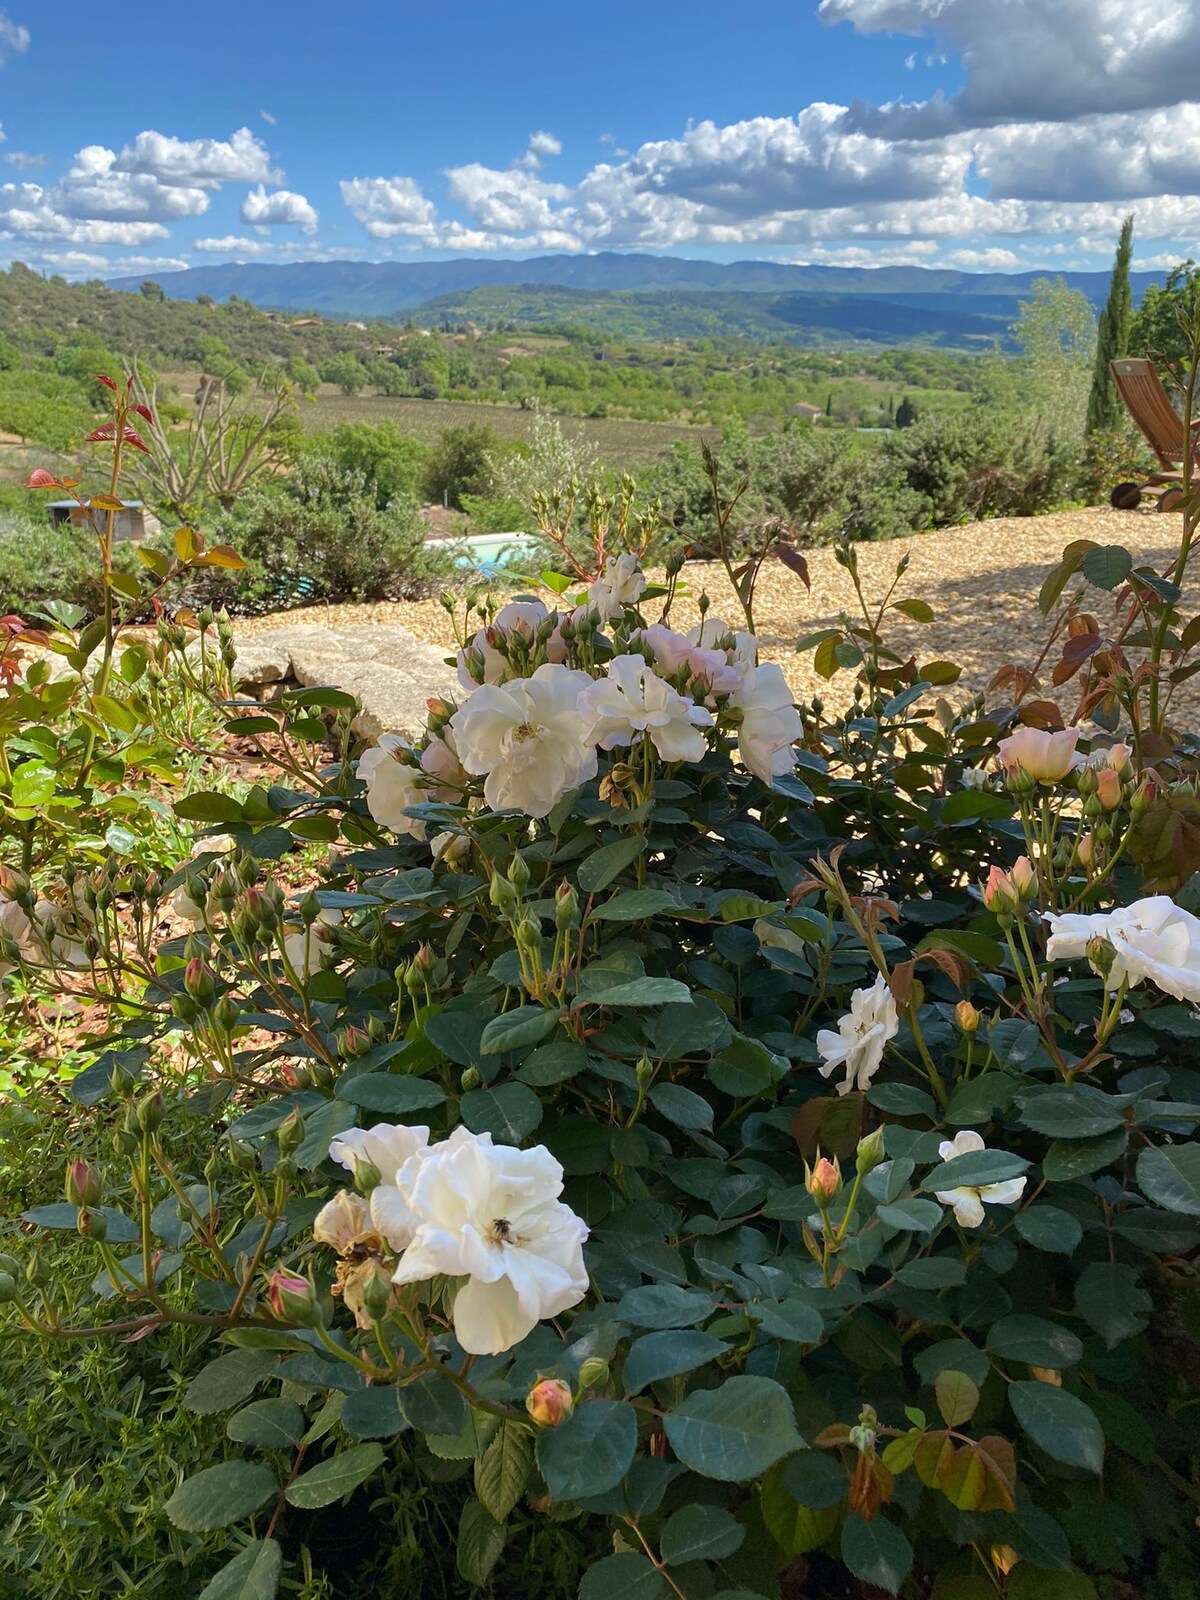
[385, 457]
[461, 463]
[1154, 328]
[1112, 339]
[906, 413]
[40, 561]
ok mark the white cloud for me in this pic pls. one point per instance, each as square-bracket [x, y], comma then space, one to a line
[283, 207]
[1037, 60]
[267, 117]
[27, 211]
[198, 163]
[231, 244]
[14, 39]
[25, 160]
[94, 188]
[540, 146]
[993, 258]
[507, 202]
[390, 207]
[1131, 155]
[915, 253]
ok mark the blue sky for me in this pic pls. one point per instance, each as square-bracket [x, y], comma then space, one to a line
[979, 133]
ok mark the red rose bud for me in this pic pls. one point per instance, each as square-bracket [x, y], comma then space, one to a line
[292, 1298]
[549, 1402]
[82, 1184]
[199, 980]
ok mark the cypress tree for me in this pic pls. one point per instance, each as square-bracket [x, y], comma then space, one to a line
[1112, 338]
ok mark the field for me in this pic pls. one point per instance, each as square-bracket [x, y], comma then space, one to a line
[620, 442]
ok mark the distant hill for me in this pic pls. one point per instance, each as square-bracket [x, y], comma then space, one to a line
[808, 319]
[841, 302]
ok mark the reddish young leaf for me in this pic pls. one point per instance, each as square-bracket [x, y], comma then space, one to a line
[107, 382]
[102, 435]
[39, 478]
[133, 437]
[144, 411]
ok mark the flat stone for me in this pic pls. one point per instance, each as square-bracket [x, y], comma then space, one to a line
[261, 661]
[388, 669]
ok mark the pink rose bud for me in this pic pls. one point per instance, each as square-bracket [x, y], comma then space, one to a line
[549, 1402]
[1024, 878]
[199, 980]
[1108, 788]
[290, 1296]
[82, 1184]
[1085, 850]
[1000, 892]
[824, 1180]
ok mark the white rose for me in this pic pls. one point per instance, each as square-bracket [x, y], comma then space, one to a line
[439, 762]
[674, 651]
[770, 722]
[215, 844]
[621, 584]
[713, 632]
[522, 617]
[308, 948]
[65, 947]
[1152, 938]
[388, 1147]
[862, 1035]
[491, 1214]
[634, 700]
[185, 908]
[14, 925]
[343, 1222]
[967, 1203]
[392, 784]
[527, 739]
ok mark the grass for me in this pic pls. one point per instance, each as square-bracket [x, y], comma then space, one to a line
[621, 442]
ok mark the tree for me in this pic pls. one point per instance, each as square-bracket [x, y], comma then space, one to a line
[1112, 338]
[346, 371]
[1055, 332]
[150, 290]
[462, 463]
[906, 413]
[1155, 328]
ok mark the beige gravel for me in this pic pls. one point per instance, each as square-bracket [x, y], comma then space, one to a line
[981, 579]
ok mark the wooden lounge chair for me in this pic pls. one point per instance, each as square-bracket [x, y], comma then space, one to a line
[1149, 404]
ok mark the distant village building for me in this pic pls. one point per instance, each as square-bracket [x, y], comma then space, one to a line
[803, 410]
[361, 326]
[132, 523]
[306, 322]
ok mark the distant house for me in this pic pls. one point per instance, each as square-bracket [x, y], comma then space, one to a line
[806, 412]
[306, 322]
[384, 350]
[132, 522]
[361, 326]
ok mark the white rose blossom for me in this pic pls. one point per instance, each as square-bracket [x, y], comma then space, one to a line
[306, 948]
[343, 1222]
[388, 1147]
[523, 617]
[527, 739]
[621, 584]
[967, 1203]
[1152, 938]
[491, 1214]
[862, 1034]
[770, 723]
[674, 651]
[712, 633]
[631, 700]
[393, 784]
[15, 926]
[65, 947]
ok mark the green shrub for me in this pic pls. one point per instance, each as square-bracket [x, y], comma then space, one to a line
[320, 535]
[463, 462]
[41, 561]
[981, 464]
[388, 459]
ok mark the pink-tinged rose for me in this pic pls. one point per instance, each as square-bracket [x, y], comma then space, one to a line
[82, 1186]
[1045, 757]
[289, 1296]
[824, 1180]
[549, 1402]
[1024, 877]
[1108, 788]
[1000, 892]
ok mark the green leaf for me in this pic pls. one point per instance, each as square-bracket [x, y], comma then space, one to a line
[1111, 1300]
[33, 784]
[373, 1413]
[396, 1092]
[457, 1035]
[1170, 1176]
[957, 1397]
[502, 1471]
[734, 1432]
[1059, 1424]
[640, 992]
[209, 806]
[220, 1495]
[433, 1405]
[974, 1169]
[508, 1113]
[1107, 566]
[916, 1216]
[917, 610]
[1034, 1340]
[699, 1533]
[876, 1552]
[253, 1574]
[666, 1355]
[1030, 1583]
[590, 1452]
[796, 1526]
[599, 869]
[683, 1107]
[480, 1543]
[627, 1576]
[331, 1480]
[1069, 1159]
[933, 1272]
[512, 1030]
[633, 905]
[793, 1321]
[665, 1305]
[270, 1424]
[1058, 578]
[1049, 1228]
[1074, 1111]
[228, 1380]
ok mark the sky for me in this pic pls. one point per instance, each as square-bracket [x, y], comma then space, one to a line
[979, 134]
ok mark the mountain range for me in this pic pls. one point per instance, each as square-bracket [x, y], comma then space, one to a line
[661, 296]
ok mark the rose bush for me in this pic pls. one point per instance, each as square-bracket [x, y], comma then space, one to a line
[770, 1136]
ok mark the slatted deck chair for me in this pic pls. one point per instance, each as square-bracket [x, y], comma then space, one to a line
[1149, 404]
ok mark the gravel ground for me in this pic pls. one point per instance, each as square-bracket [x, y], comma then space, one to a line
[981, 580]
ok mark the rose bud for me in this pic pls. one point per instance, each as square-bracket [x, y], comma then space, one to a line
[1004, 1558]
[292, 1298]
[967, 1017]
[593, 1374]
[824, 1180]
[549, 1402]
[82, 1184]
[1024, 878]
[1108, 788]
[1000, 893]
[200, 980]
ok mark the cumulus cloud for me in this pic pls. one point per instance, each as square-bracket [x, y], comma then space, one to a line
[27, 211]
[994, 258]
[1132, 155]
[14, 39]
[198, 163]
[1036, 60]
[25, 160]
[513, 202]
[231, 244]
[390, 207]
[95, 188]
[261, 209]
[540, 146]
